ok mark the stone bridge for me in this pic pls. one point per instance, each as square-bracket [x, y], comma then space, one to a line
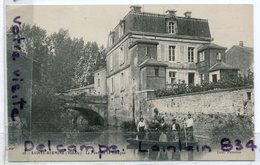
[92, 107]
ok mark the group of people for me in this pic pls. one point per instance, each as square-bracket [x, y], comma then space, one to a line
[158, 125]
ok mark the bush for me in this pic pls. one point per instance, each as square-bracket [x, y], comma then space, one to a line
[47, 110]
[232, 127]
[182, 88]
[129, 126]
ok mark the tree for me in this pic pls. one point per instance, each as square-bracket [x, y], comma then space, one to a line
[92, 59]
[59, 64]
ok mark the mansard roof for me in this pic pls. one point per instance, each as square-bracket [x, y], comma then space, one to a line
[149, 22]
[156, 23]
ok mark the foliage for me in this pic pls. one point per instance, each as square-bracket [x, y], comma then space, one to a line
[59, 63]
[46, 110]
[182, 88]
[215, 126]
[92, 60]
[232, 127]
[129, 126]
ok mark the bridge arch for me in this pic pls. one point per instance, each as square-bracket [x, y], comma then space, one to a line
[93, 117]
[96, 114]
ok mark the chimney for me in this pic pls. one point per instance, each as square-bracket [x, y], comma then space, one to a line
[187, 14]
[241, 43]
[171, 12]
[135, 9]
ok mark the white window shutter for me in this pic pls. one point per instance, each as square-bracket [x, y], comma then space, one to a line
[166, 52]
[162, 52]
[177, 53]
[195, 55]
[181, 55]
[185, 55]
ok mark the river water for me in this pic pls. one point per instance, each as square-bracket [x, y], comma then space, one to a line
[117, 137]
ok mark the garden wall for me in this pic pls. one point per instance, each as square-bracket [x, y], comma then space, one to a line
[237, 100]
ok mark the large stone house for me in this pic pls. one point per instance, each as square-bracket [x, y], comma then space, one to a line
[148, 51]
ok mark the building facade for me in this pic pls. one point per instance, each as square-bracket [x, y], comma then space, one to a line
[100, 81]
[148, 51]
[212, 64]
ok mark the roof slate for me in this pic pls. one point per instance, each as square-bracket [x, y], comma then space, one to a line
[221, 66]
[240, 49]
[156, 23]
[212, 46]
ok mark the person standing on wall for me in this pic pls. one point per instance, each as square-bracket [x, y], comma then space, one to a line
[157, 118]
[189, 128]
[141, 127]
[157, 124]
[175, 130]
[163, 124]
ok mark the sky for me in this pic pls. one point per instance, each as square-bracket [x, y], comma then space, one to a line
[229, 24]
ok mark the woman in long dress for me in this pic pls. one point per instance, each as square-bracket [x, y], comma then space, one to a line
[141, 127]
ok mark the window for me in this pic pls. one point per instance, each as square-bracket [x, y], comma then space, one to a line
[121, 55]
[214, 78]
[147, 51]
[202, 78]
[156, 71]
[172, 77]
[171, 53]
[122, 82]
[111, 39]
[98, 82]
[171, 27]
[190, 54]
[112, 85]
[111, 62]
[218, 56]
[201, 56]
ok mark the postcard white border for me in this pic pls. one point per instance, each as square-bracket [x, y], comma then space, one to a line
[69, 2]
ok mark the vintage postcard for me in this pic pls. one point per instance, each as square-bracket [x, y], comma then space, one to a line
[130, 82]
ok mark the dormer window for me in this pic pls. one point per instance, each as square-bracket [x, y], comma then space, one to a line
[121, 28]
[172, 27]
[111, 39]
